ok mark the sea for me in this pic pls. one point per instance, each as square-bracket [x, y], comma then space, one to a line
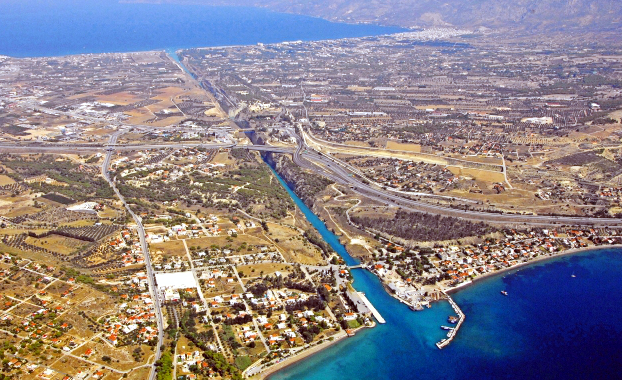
[560, 319]
[31, 28]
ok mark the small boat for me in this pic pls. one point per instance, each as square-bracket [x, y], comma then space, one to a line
[446, 328]
[504, 292]
[573, 275]
[416, 307]
[452, 319]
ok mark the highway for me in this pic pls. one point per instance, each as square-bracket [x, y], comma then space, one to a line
[340, 175]
[332, 169]
[325, 165]
[145, 249]
[26, 148]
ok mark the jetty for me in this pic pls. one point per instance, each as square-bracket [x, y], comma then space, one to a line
[452, 333]
[371, 308]
[363, 305]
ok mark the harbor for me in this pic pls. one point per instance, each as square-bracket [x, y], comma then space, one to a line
[452, 331]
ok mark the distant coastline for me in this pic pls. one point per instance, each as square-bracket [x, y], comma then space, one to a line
[89, 28]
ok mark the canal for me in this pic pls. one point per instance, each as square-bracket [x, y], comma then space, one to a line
[543, 329]
[404, 331]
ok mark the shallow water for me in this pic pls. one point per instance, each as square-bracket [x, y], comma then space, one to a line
[550, 326]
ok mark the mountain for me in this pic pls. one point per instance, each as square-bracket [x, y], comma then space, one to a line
[528, 15]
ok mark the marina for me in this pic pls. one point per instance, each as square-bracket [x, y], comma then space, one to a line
[452, 331]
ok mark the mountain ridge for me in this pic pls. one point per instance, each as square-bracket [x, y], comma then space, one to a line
[530, 16]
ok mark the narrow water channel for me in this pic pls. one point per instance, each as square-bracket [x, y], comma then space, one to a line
[542, 330]
[317, 223]
[365, 343]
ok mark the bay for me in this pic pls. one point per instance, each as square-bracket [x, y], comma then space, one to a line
[30, 28]
[550, 326]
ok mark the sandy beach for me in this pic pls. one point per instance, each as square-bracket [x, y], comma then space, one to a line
[309, 352]
[300, 356]
[530, 262]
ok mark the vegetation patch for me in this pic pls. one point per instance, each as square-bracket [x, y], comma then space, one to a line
[79, 182]
[58, 198]
[306, 185]
[15, 130]
[423, 227]
[243, 362]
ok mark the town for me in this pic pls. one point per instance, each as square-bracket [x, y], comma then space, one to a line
[146, 210]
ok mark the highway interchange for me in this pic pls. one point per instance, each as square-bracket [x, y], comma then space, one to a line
[330, 167]
[307, 158]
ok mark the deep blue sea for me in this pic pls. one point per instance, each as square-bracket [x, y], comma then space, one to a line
[31, 28]
[550, 326]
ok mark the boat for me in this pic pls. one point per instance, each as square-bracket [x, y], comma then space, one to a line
[416, 307]
[446, 328]
[452, 319]
[504, 292]
[573, 275]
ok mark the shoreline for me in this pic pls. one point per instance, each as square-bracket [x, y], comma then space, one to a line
[180, 47]
[537, 260]
[301, 356]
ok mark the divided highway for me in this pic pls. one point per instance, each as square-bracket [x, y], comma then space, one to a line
[340, 174]
[322, 164]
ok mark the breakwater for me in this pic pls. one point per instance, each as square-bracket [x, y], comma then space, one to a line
[371, 307]
[452, 333]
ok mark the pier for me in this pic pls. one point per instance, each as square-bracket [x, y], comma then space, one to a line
[371, 308]
[363, 306]
[452, 333]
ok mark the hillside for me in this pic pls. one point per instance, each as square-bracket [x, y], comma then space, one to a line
[528, 15]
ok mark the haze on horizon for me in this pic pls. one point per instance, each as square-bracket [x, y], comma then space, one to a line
[527, 16]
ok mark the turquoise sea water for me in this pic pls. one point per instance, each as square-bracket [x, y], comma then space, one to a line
[60, 27]
[551, 326]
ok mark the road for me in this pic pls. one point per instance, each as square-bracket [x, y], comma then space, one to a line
[143, 244]
[325, 165]
[331, 168]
